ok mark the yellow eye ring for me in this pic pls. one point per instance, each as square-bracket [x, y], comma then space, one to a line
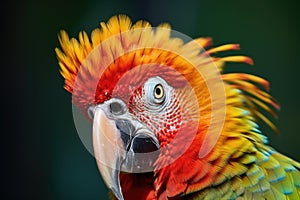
[158, 91]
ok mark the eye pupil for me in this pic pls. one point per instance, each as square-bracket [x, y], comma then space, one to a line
[158, 91]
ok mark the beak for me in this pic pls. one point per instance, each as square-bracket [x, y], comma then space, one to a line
[120, 143]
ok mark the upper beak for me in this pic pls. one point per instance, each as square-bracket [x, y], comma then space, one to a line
[120, 143]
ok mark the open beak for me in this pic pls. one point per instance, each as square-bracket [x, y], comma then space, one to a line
[121, 143]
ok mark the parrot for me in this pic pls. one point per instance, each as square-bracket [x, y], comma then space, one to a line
[167, 121]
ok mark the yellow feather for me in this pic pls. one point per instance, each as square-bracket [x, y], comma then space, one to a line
[204, 42]
[239, 59]
[225, 47]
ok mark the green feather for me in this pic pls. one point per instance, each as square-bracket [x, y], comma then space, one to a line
[296, 178]
[285, 185]
[275, 175]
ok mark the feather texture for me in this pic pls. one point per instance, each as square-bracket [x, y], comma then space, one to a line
[239, 166]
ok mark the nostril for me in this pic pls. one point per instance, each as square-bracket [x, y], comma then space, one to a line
[116, 108]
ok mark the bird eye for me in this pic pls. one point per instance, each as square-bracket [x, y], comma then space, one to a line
[159, 91]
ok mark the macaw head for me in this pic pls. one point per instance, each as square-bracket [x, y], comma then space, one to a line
[155, 101]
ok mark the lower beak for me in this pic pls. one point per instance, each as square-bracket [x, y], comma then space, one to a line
[114, 153]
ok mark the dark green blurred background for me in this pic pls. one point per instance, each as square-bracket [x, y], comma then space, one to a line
[43, 155]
